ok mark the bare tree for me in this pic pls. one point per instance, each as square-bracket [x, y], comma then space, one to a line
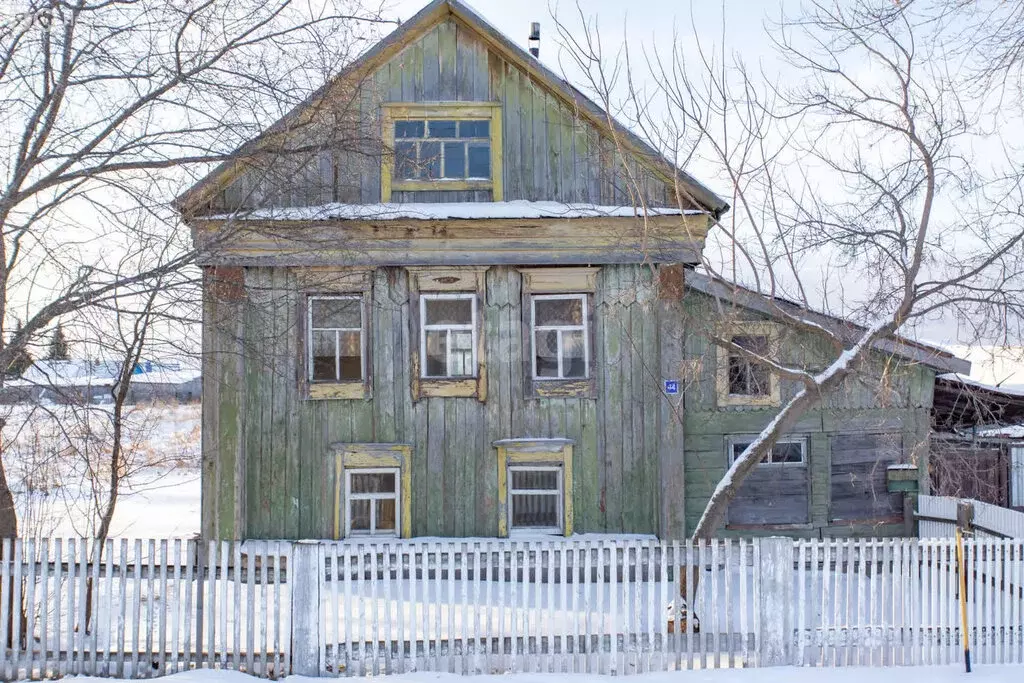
[108, 107]
[856, 178]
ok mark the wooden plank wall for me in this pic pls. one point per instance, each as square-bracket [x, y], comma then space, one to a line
[550, 152]
[901, 410]
[283, 456]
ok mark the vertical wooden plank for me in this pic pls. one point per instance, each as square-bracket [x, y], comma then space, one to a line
[108, 613]
[6, 590]
[446, 47]
[744, 603]
[191, 558]
[29, 608]
[83, 594]
[44, 608]
[177, 604]
[59, 579]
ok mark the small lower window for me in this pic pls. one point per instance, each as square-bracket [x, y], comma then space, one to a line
[373, 502]
[536, 498]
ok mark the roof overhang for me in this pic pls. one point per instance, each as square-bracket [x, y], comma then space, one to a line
[931, 356]
[447, 241]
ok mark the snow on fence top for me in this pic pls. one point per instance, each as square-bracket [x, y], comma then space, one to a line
[453, 210]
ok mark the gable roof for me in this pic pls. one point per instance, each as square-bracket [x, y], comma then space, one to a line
[433, 13]
[919, 352]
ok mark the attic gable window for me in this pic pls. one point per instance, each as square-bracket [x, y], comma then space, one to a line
[741, 379]
[448, 146]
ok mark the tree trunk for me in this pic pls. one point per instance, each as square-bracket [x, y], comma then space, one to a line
[8, 529]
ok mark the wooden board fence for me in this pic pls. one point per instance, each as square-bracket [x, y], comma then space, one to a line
[144, 608]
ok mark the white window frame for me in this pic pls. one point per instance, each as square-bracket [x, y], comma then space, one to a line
[735, 441]
[559, 496]
[337, 338]
[448, 328]
[560, 329]
[373, 498]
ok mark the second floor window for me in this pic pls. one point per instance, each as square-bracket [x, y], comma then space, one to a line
[560, 337]
[448, 335]
[442, 149]
[747, 377]
[336, 344]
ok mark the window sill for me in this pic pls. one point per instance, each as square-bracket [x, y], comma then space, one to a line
[464, 387]
[561, 388]
[440, 184]
[338, 391]
[759, 401]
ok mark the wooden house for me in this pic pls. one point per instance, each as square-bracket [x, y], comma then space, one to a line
[448, 296]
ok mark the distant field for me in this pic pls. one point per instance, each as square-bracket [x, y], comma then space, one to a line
[57, 460]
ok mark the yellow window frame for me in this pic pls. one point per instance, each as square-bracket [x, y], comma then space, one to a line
[456, 111]
[557, 452]
[357, 456]
[740, 328]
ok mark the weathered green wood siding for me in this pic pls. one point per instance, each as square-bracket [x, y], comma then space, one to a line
[550, 152]
[282, 457]
[900, 405]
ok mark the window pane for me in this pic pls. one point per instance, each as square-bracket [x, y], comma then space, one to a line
[405, 160]
[546, 480]
[534, 510]
[739, 376]
[547, 353]
[436, 362]
[360, 511]
[787, 452]
[372, 482]
[558, 312]
[351, 356]
[474, 129]
[479, 161]
[408, 129]
[441, 129]
[449, 312]
[454, 160]
[462, 354]
[323, 356]
[386, 515]
[430, 160]
[335, 313]
[737, 450]
[574, 363]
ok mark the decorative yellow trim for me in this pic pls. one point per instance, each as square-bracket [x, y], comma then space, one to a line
[535, 452]
[558, 280]
[774, 396]
[457, 111]
[467, 279]
[338, 390]
[371, 455]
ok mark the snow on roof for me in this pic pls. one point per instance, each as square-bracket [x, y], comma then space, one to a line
[443, 211]
[1004, 432]
[102, 373]
[1008, 389]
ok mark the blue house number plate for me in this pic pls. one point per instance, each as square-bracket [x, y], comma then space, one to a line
[671, 386]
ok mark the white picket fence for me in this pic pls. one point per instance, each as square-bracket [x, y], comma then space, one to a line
[938, 518]
[270, 608]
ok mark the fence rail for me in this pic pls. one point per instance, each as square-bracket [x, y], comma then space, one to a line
[138, 609]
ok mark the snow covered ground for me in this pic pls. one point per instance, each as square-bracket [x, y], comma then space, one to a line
[49, 449]
[785, 674]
